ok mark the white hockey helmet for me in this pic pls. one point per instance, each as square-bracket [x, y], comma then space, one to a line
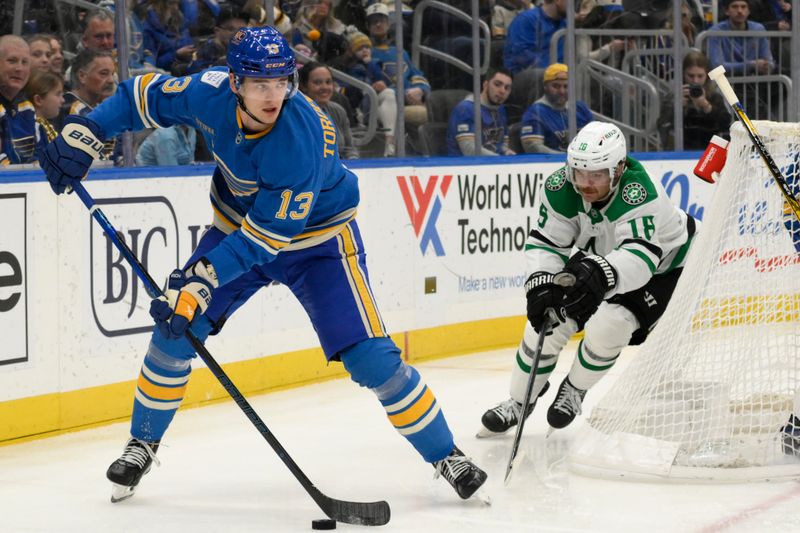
[597, 146]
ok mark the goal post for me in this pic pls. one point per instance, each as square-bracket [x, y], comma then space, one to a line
[706, 397]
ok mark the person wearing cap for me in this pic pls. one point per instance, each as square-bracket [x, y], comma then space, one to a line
[416, 85]
[529, 36]
[357, 62]
[545, 124]
[494, 125]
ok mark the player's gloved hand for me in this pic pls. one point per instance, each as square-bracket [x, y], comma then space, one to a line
[67, 159]
[594, 277]
[544, 294]
[188, 294]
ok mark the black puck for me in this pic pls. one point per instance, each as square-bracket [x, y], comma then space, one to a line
[323, 523]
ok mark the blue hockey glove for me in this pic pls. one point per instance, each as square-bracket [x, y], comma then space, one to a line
[594, 277]
[67, 159]
[188, 294]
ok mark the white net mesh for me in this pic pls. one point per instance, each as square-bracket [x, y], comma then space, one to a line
[709, 393]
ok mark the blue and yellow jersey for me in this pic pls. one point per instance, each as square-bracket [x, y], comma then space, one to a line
[494, 127]
[18, 139]
[278, 190]
[543, 123]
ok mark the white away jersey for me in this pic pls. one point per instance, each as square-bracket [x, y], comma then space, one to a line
[639, 230]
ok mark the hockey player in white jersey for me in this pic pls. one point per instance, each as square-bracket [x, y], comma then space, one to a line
[602, 219]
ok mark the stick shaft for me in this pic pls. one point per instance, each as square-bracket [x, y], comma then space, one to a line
[718, 75]
[373, 513]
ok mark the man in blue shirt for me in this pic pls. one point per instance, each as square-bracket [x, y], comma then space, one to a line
[494, 124]
[284, 209]
[545, 124]
[740, 55]
[528, 40]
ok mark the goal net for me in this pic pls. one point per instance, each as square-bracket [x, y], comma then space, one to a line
[707, 395]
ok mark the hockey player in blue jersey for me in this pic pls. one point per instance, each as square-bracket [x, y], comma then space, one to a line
[284, 209]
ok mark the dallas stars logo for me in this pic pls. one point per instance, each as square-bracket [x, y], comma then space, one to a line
[634, 194]
[556, 180]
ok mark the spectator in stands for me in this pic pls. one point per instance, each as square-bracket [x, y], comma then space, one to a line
[495, 89]
[45, 90]
[528, 41]
[600, 14]
[173, 146]
[214, 51]
[200, 16]
[783, 14]
[357, 62]
[41, 52]
[317, 28]
[503, 14]
[316, 82]
[17, 116]
[384, 56]
[255, 15]
[704, 111]
[545, 124]
[740, 55]
[57, 55]
[166, 35]
[98, 32]
[92, 82]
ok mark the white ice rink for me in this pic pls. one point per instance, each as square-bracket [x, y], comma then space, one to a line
[219, 475]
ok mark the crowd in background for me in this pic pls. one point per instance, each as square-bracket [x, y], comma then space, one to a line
[39, 86]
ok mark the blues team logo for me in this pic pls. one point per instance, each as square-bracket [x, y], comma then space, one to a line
[424, 205]
[273, 49]
[634, 193]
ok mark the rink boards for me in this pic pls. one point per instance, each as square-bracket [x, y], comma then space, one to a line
[444, 244]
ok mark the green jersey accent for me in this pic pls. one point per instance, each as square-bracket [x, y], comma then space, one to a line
[635, 189]
[561, 195]
[565, 258]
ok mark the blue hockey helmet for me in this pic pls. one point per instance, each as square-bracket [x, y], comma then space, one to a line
[262, 53]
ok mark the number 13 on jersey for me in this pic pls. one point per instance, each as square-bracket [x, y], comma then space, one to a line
[297, 206]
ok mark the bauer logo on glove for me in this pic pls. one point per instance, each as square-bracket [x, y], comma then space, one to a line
[187, 291]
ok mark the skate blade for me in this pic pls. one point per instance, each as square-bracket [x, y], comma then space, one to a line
[482, 496]
[484, 433]
[121, 492]
[513, 466]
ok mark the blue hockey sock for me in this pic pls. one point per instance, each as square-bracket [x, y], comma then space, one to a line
[410, 404]
[413, 410]
[159, 392]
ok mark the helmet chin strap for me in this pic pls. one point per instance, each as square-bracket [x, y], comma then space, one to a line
[244, 108]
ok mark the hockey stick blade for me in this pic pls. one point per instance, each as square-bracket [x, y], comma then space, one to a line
[548, 323]
[358, 513]
[368, 514]
[718, 75]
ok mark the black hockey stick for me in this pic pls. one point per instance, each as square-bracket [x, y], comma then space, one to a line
[563, 279]
[548, 323]
[718, 75]
[361, 513]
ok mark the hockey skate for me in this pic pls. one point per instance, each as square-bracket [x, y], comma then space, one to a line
[566, 406]
[791, 437]
[504, 416]
[461, 473]
[126, 472]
